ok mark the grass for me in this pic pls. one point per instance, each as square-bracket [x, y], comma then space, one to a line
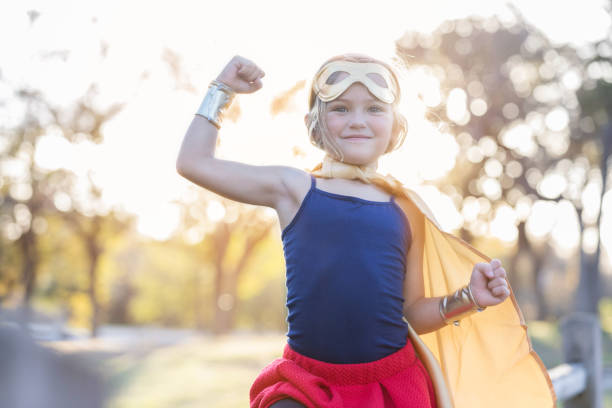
[215, 373]
[218, 373]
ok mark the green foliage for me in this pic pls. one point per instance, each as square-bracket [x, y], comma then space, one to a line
[605, 311]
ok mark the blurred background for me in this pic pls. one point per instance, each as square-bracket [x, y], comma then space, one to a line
[166, 294]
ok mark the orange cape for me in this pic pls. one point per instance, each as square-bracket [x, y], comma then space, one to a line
[486, 361]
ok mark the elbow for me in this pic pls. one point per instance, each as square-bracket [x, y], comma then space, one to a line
[410, 319]
[179, 167]
[416, 326]
[410, 308]
[182, 166]
[413, 315]
[186, 166]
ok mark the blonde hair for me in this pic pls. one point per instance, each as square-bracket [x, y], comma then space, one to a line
[317, 126]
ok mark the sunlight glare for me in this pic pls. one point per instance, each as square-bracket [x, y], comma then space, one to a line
[151, 224]
[456, 106]
[519, 137]
[215, 211]
[541, 219]
[565, 232]
[552, 185]
[503, 224]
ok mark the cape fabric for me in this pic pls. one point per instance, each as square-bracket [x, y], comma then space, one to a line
[487, 360]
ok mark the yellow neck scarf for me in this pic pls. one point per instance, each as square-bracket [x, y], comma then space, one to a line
[486, 361]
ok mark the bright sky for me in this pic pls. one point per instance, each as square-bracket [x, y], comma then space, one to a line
[136, 163]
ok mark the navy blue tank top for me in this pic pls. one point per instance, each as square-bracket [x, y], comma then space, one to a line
[346, 259]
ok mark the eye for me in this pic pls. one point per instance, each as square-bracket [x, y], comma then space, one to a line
[375, 108]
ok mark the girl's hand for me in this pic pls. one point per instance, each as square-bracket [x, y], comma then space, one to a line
[242, 75]
[488, 282]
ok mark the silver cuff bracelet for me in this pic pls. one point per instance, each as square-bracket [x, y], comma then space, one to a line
[217, 99]
[459, 305]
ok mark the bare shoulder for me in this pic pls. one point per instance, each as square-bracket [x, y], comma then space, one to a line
[296, 183]
[412, 212]
[415, 221]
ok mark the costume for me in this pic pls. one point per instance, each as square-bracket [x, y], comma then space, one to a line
[397, 380]
[485, 361]
[488, 359]
[345, 269]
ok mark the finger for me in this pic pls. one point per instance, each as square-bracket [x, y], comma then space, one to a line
[485, 269]
[246, 71]
[500, 291]
[493, 283]
[254, 86]
[500, 272]
[495, 263]
[251, 74]
[254, 75]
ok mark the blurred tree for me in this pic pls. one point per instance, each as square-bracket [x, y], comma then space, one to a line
[510, 97]
[30, 192]
[231, 234]
[95, 231]
[87, 214]
[25, 195]
[595, 97]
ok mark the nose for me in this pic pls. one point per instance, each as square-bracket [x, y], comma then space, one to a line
[357, 120]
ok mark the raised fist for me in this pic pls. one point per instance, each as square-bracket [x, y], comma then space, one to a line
[489, 284]
[242, 75]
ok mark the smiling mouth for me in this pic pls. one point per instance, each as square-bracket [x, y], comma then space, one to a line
[357, 139]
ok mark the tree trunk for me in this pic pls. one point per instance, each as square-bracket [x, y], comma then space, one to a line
[27, 243]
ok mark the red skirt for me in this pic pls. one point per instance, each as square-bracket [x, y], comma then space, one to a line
[397, 380]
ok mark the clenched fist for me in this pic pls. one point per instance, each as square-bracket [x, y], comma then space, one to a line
[242, 75]
[488, 282]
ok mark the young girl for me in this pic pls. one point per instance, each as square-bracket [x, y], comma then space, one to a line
[376, 290]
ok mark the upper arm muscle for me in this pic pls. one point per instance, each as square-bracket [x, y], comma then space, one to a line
[257, 185]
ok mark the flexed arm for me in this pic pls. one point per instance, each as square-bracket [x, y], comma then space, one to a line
[257, 185]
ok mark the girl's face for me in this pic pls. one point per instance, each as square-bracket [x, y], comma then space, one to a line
[360, 124]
